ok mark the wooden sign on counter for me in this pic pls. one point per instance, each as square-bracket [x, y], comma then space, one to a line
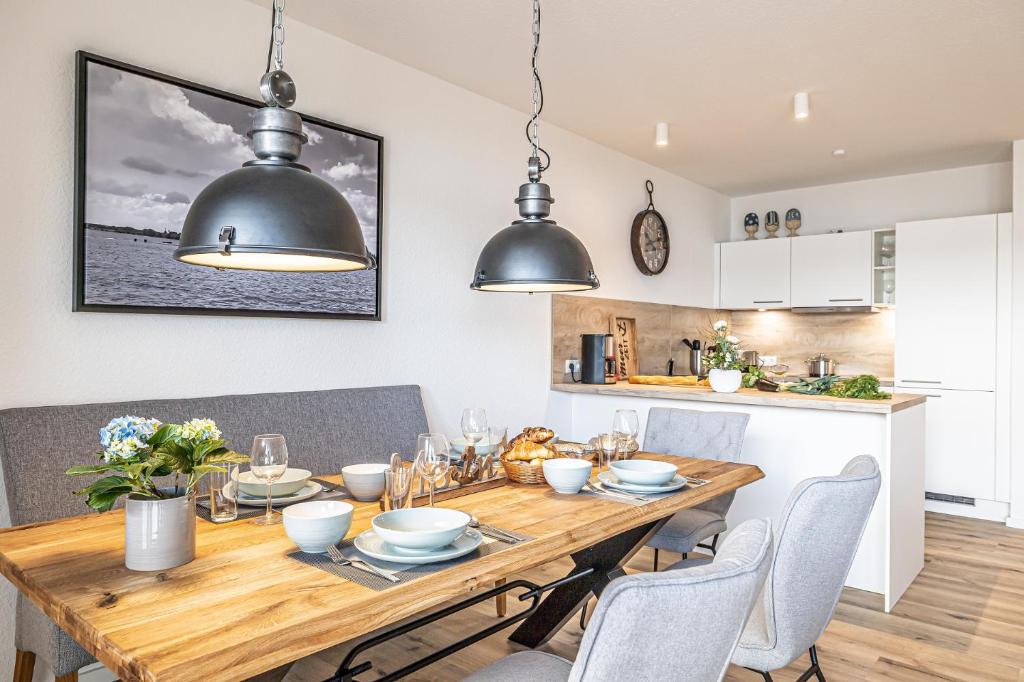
[624, 331]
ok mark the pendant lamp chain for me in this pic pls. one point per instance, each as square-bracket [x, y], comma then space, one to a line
[275, 55]
[533, 125]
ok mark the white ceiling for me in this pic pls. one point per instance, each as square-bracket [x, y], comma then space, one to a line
[903, 85]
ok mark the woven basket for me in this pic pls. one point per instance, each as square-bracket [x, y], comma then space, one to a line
[524, 472]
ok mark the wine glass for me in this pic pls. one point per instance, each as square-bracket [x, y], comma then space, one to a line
[626, 426]
[268, 463]
[474, 425]
[432, 458]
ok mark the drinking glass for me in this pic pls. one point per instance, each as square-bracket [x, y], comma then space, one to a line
[397, 488]
[432, 457]
[223, 496]
[474, 425]
[609, 444]
[626, 425]
[268, 462]
[495, 438]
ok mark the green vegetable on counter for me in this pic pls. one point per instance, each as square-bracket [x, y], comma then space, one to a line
[751, 375]
[863, 387]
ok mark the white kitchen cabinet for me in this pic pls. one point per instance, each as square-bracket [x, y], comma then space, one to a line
[830, 270]
[960, 442]
[754, 274]
[946, 317]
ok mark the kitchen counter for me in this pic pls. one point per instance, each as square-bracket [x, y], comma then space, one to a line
[747, 396]
[794, 437]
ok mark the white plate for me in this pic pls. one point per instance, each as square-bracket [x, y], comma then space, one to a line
[608, 478]
[310, 490]
[370, 544]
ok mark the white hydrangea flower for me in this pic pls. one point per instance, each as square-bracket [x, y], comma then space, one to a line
[720, 325]
[732, 339]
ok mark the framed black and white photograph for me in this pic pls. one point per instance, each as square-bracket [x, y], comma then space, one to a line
[146, 145]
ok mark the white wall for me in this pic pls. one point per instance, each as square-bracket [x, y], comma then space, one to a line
[453, 162]
[1017, 345]
[882, 202]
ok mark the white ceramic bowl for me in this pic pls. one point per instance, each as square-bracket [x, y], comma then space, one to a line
[566, 475]
[315, 525]
[420, 528]
[365, 481]
[292, 482]
[643, 471]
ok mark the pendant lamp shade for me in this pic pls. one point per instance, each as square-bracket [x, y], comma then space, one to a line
[280, 217]
[534, 254]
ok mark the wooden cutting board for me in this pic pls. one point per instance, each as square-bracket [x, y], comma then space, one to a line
[668, 381]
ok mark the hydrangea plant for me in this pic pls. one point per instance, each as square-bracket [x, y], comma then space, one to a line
[723, 349]
[137, 450]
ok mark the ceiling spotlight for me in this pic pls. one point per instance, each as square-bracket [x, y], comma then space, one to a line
[801, 105]
[661, 134]
[838, 152]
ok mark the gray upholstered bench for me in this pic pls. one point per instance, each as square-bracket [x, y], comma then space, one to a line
[326, 430]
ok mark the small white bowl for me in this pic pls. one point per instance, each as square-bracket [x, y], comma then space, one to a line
[643, 471]
[566, 475]
[365, 481]
[292, 482]
[420, 528]
[315, 525]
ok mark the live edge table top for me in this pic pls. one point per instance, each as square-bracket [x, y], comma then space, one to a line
[243, 607]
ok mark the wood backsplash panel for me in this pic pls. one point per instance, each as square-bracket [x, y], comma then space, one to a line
[659, 328]
[860, 343]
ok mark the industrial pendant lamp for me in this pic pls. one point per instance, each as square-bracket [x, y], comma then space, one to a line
[273, 213]
[534, 253]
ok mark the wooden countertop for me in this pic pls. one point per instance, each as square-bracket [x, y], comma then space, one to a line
[748, 396]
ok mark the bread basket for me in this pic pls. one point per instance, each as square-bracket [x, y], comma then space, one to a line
[524, 472]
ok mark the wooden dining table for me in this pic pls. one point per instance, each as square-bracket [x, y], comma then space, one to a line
[243, 607]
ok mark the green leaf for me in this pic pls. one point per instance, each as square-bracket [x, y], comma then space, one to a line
[86, 469]
[225, 455]
[104, 500]
[204, 469]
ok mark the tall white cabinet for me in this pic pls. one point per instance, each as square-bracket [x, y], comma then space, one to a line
[949, 341]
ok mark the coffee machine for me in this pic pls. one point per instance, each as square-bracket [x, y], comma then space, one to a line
[598, 365]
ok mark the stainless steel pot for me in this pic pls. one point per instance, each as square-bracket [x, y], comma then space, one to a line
[821, 366]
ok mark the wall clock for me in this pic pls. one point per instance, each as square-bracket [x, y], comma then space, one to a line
[649, 238]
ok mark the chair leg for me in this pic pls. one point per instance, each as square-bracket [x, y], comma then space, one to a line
[500, 602]
[814, 670]
[583, 618]
[655, 559]
[70, 677]
[24, 666]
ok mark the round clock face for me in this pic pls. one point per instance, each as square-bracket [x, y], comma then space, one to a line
[649, 242]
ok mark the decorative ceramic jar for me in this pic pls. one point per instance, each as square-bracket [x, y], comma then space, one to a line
[159, 534]
[725, 380]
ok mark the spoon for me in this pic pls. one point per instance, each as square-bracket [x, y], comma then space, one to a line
[474, 522]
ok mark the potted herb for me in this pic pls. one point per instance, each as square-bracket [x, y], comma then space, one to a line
[723, 359]
[160, 519]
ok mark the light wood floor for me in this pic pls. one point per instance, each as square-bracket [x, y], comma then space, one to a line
[962, 619]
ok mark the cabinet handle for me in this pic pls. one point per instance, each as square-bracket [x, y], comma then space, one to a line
[766, 301]
[844, 300]
[918, 381]
[931, 395]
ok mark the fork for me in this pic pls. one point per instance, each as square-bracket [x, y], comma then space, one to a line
[337, 557]
[602, 491]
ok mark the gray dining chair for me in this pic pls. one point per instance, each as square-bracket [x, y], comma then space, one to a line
[674, 625]
[818, 536]
[694, 433]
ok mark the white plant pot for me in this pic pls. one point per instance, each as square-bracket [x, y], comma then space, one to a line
[725, 380]
[159, 534]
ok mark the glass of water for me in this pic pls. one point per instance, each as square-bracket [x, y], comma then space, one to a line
[223, 496]
[268, 463]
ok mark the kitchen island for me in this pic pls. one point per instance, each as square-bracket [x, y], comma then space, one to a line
[792, 437]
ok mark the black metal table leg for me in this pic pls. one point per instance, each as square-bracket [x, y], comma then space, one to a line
[607, 559]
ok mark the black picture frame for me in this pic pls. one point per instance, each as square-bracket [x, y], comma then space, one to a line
[83, 60]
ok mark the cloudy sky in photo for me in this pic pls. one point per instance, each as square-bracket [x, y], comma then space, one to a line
[152, 147]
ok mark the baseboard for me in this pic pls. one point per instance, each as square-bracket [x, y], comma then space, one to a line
[987, 510]
[97, 672]
[1015, 522]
